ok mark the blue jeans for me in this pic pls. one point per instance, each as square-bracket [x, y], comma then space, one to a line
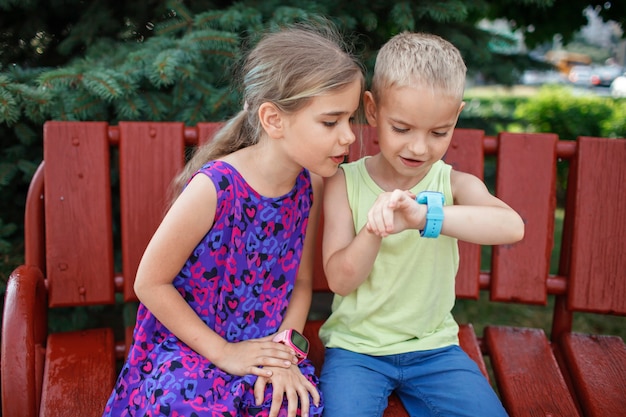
[438, 382]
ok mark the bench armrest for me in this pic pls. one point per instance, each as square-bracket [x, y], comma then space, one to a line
[24, 333]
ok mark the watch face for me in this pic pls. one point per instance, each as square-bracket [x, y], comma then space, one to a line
[299, 341]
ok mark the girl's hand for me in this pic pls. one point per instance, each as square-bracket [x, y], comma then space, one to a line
[393, 212]
[288, 383]
[254, 356]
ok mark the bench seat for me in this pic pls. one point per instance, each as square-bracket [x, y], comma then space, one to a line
[529, 379]
[597, 364]
[73, 360]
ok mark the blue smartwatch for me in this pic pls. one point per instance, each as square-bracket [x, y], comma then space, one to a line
[434, 212]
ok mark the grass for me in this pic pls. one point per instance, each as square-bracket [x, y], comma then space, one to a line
[483, 312]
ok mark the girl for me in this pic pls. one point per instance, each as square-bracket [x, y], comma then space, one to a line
[230, 266]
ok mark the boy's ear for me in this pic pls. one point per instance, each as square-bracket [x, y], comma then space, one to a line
[369, 106]
[272, 120]
[460, 109]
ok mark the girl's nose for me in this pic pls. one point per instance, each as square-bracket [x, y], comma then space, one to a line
[347, 136]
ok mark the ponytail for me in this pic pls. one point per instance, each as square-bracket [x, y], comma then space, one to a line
[232, 136]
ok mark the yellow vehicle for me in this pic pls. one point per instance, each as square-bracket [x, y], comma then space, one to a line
[564, 60]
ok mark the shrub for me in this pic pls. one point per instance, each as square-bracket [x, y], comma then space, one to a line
[614, 126]
[557, 109]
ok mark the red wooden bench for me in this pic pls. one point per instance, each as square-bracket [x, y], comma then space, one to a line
[85, 234]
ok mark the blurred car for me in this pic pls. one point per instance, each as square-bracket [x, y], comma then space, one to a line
[618, 86]
[604, 76]
[537, 77]
[580, 75]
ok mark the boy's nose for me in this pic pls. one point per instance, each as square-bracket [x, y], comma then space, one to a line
[418, 146]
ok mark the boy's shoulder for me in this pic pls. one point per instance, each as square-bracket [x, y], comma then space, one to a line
[356, 164]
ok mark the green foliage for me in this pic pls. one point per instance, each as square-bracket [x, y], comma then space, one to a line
[556, 109]
[614, 126]
[493, 113]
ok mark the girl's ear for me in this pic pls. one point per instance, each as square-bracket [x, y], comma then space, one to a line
[369, 105]
[272, 120]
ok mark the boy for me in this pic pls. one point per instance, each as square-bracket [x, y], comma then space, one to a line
[391, 258]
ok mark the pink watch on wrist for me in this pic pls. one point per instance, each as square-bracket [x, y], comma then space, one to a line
[296, 341]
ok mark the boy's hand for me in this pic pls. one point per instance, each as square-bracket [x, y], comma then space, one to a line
[394, 212]
[288, 383]
[254, 357]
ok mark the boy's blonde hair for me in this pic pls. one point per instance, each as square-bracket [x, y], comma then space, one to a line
[419, 59]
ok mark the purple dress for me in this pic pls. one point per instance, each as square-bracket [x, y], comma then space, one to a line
[239, 280]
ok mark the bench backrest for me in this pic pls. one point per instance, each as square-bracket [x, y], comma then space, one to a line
[101, 192]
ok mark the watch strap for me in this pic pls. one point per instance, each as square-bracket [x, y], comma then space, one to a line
[434, 212]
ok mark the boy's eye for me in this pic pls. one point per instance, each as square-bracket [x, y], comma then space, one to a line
[440, 134]
[329, 124]
[352, 120]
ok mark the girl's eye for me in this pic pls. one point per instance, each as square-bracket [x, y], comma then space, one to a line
[329, 124]
[352, 120]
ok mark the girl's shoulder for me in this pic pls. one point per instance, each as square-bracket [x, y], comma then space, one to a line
[217, 167]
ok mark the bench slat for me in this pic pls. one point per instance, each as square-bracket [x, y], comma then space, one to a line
[320, 284]
[151, 154]
[597, 364]
[366, 142]
[79, 232]
[526, 178]
[79, 373]
[466, 154]
[469, 343]
[528, 376]
[597, 276]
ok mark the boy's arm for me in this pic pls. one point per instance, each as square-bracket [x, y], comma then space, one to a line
[476, 215]
[347, 257]
[479, 217]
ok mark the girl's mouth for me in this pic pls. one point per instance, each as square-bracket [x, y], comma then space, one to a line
[338, 159]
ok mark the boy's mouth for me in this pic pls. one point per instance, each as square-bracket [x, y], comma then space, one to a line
[411, 162]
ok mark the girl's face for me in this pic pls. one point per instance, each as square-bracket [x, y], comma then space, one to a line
[318, 136]
[415, 127]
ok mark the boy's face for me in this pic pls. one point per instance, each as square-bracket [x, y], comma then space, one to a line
[414, 125]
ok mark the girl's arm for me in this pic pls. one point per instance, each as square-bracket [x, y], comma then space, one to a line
[298, 310]
[348, 257]
[291, 384]
[187, 221]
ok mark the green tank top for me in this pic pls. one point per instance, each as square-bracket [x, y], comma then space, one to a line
[405, 304]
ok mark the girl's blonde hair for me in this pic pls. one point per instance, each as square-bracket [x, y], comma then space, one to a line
[287, 68]
[419, 59]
